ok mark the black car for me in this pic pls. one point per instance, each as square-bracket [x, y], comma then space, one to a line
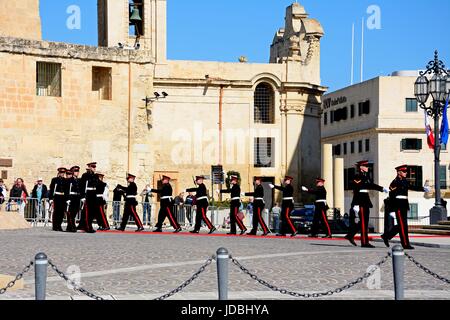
[303, 218]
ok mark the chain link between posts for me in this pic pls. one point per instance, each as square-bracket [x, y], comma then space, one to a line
[17, 278]
[426, 270]
[310, 295]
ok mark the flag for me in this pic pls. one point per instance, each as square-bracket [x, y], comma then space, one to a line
[444, 126]
[430, 135]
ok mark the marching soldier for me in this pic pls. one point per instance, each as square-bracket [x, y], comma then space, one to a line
[398, 196]
[361, 204]
[71, 227]
[73, 192]
[202, 205]
[258, 208]
[57, 197]
[286, 207]
[166, 205]
[235, 192]
[321, 207]
[88, 193]
[102, 195]
[131, 192]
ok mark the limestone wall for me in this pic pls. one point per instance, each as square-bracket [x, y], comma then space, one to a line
[20, 19]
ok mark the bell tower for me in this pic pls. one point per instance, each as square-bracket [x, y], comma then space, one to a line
[139, 24]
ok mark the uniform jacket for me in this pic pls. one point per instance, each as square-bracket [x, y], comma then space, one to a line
[165, 191]
[200, 192]
[58, 184]
[101, 188]
[258, 193]
[288, 191]
[88, 180]
[362, 182]
[131, 193]
[321, 194]
[400, 187]
[235, 192]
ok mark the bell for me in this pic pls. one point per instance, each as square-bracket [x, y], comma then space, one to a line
[135, 16]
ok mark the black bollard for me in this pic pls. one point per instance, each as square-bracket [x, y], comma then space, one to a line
[398, 262]
[40, 275]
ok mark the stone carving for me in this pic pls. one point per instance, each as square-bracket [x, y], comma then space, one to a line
[299, 40]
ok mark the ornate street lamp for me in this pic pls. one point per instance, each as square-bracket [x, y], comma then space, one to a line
[438, 87]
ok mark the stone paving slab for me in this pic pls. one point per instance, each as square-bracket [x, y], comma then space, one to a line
[145, 266]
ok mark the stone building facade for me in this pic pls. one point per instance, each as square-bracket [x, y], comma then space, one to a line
[63, 104]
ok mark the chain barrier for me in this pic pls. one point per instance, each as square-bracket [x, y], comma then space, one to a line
[71, 282]
[426, 270]
[310, 295]
[187, 282]
[17, 278]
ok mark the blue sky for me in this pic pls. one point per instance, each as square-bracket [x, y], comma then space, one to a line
[224, 30]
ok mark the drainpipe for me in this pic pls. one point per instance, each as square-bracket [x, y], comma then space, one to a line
[129, 116]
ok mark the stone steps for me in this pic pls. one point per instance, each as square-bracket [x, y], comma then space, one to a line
[437, 227]
[431, 232]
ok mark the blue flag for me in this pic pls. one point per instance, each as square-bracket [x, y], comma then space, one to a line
[444, 126]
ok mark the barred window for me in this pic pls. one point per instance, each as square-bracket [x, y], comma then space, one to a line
[264, 100]
[264, 152]
[48, 79]
[415, 176]
[102, 82]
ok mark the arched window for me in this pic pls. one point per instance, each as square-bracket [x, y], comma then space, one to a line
[264, 101]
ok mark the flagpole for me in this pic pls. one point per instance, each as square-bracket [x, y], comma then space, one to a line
[437, 152]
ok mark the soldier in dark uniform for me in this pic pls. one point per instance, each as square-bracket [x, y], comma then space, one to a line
[286, 207]
[235, 192]
[71, 227]
[202, 205]
[100, 215]
[398, 196]
[73, 193]
[57, 197]
[321, 207]
[88, 193]
[361, 204]
[166, 205]
[258, 208]
[131, 192]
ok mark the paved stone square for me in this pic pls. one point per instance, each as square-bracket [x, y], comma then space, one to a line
[147, 265]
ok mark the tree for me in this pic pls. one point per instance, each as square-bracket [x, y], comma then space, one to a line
[228, 179]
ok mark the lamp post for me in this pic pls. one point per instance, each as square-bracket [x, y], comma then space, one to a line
[438, 86]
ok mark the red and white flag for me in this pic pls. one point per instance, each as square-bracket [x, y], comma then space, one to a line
[430, 135]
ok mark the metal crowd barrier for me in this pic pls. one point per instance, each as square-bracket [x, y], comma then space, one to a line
[223, 257]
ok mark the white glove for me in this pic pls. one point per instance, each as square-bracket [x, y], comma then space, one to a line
[305, 188]
[83, 200]
[385, 190]
[218, 191]
[392, 214]
[68, 201]
[50, 202]
[242, 194]
[271, 186]
[427, 189]
[356, 209]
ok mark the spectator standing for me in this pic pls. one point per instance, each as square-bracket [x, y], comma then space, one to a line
[38, 194]
[147, 205]
[19, 195]
[276, 211]
[188, 204]
[179, 205]
[118, 195]
[3, 193]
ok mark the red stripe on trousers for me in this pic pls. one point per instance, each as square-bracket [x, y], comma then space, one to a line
[241, 225]
[363, 229]
[136, 217]
[87, 215]
[326, 222]
[208, 223]
[104, 217]
[175, 225]
[402, 227]
[261, 221]
[289, 220]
